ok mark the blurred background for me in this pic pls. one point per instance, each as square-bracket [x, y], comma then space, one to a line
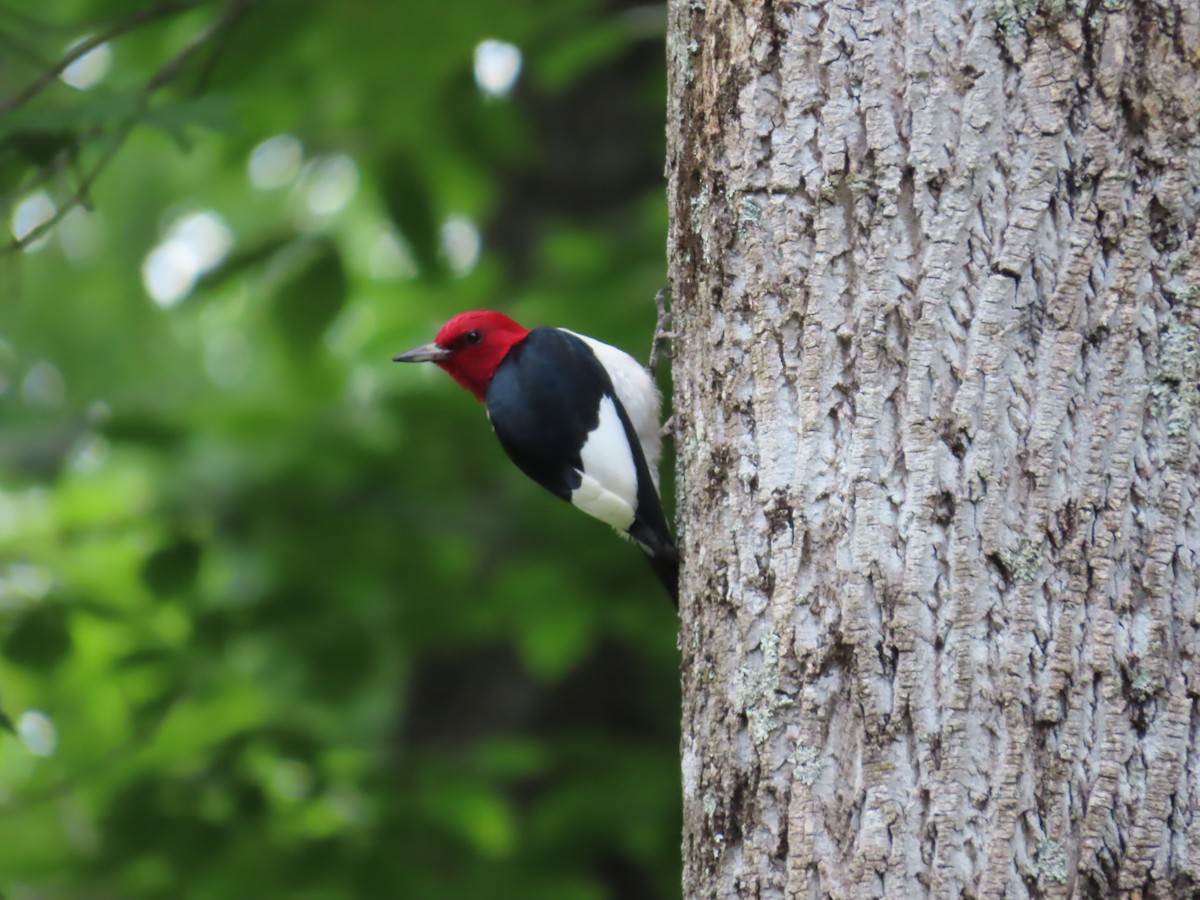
[277, 617]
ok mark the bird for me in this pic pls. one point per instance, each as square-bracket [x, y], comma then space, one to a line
[576, 415]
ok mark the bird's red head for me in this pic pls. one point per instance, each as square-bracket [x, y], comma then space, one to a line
[471, 347]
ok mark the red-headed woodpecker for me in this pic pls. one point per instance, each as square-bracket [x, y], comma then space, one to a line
[577, 416]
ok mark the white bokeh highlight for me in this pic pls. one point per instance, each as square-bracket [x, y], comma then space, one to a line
[195, 243]
[30, 214]
[497, 66]
[461, 244]
[89, 70]
[275, 162]
[22, 583]
[330, 184]
[36, 731]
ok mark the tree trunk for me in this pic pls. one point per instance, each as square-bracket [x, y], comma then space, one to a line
[937, 280]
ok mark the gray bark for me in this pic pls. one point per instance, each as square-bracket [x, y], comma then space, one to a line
[937, 280]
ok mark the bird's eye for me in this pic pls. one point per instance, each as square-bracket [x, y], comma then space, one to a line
[472, 338]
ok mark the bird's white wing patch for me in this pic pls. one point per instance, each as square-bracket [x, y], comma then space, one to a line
[601, 504]
[638, 394]
[609, 478]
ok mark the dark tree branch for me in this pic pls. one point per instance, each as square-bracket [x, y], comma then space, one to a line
[166, 74]
[130, 22]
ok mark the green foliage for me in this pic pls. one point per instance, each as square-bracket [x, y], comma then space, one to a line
[310, 299]
[277, 618]
[39, 637]
[173, 567]
[405, 191]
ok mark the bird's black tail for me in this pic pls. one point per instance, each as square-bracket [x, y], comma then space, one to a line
[667, 570]
[661, 554]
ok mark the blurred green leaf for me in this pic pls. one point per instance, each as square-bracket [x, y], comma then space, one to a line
[102, 109]
[172, 568]
[36, 146]
[145, 656]
[40, 639]
[142, 428]
[477, 813]
[179, 120]
[309, 300]
[406, 194]
[513, 757]
[151, 714]
[576, 55]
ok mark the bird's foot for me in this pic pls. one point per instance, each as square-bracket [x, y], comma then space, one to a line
[663, 336]
[668, 428]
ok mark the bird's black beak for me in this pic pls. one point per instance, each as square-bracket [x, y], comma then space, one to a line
[424, 353]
